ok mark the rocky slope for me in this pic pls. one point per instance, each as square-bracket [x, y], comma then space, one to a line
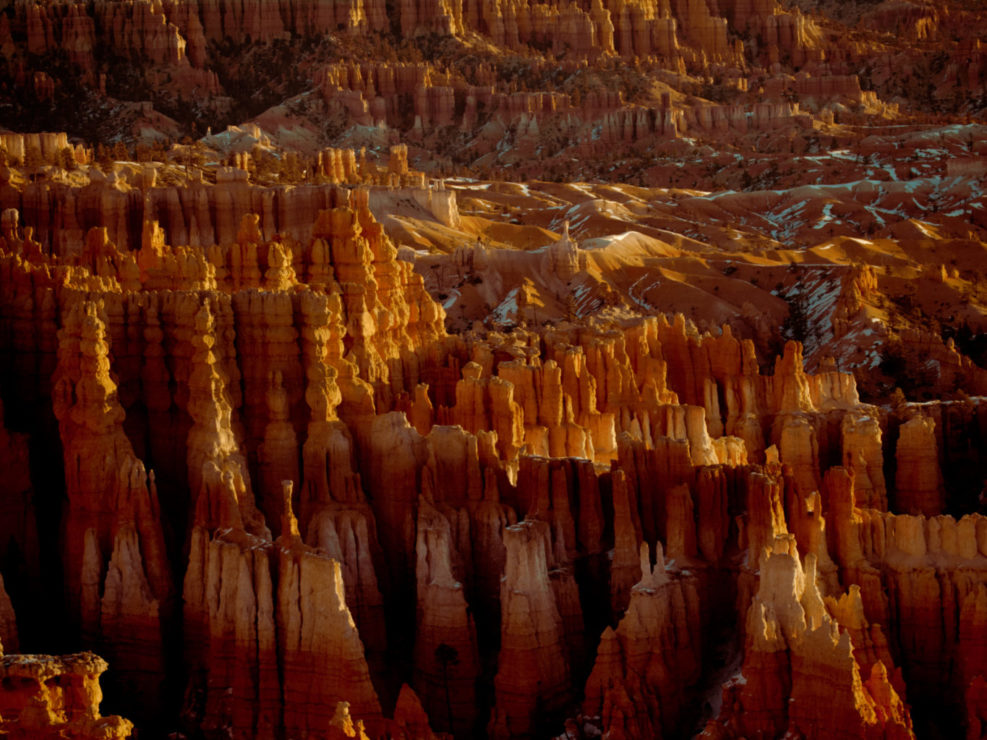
[201, 397]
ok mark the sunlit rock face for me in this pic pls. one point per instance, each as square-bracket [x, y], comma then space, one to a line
[444, 369]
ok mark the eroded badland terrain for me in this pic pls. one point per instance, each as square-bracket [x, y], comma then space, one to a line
[493, 368]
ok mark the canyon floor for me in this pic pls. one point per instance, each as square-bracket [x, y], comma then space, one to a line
[456, 369]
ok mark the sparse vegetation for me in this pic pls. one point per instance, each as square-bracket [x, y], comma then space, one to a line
[796, 324]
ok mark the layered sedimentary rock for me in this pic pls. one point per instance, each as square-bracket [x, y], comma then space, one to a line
[625, 568]
[306, 369]
[118, 580]
[56, 697]
[446, 656]
[800, 673]
[532, 667]
[323, 655]
[919, 485]
[918, 576]
[245, 618]
[19, 533]
[8, 622]
[646, 666]
[198, 215]
[410, 720]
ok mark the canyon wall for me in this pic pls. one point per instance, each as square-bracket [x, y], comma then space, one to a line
[273, 447]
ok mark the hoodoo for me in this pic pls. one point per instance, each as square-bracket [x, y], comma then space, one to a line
[520, 370]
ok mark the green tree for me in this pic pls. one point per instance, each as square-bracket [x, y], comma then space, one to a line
[104, 159]
[159, 151]
[796, 324]
[291, 168]
[66, 159]
[447, 655]
[190, 155]
[32, 158]
[263, 166]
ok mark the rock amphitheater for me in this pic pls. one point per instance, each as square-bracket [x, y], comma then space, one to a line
[445, 369]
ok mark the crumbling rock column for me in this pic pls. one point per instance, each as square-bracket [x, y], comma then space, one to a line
[533, 672]
[446, 657]
[52, 697]
[918, 480]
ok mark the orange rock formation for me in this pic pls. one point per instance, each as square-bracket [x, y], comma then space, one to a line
[367, 416]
